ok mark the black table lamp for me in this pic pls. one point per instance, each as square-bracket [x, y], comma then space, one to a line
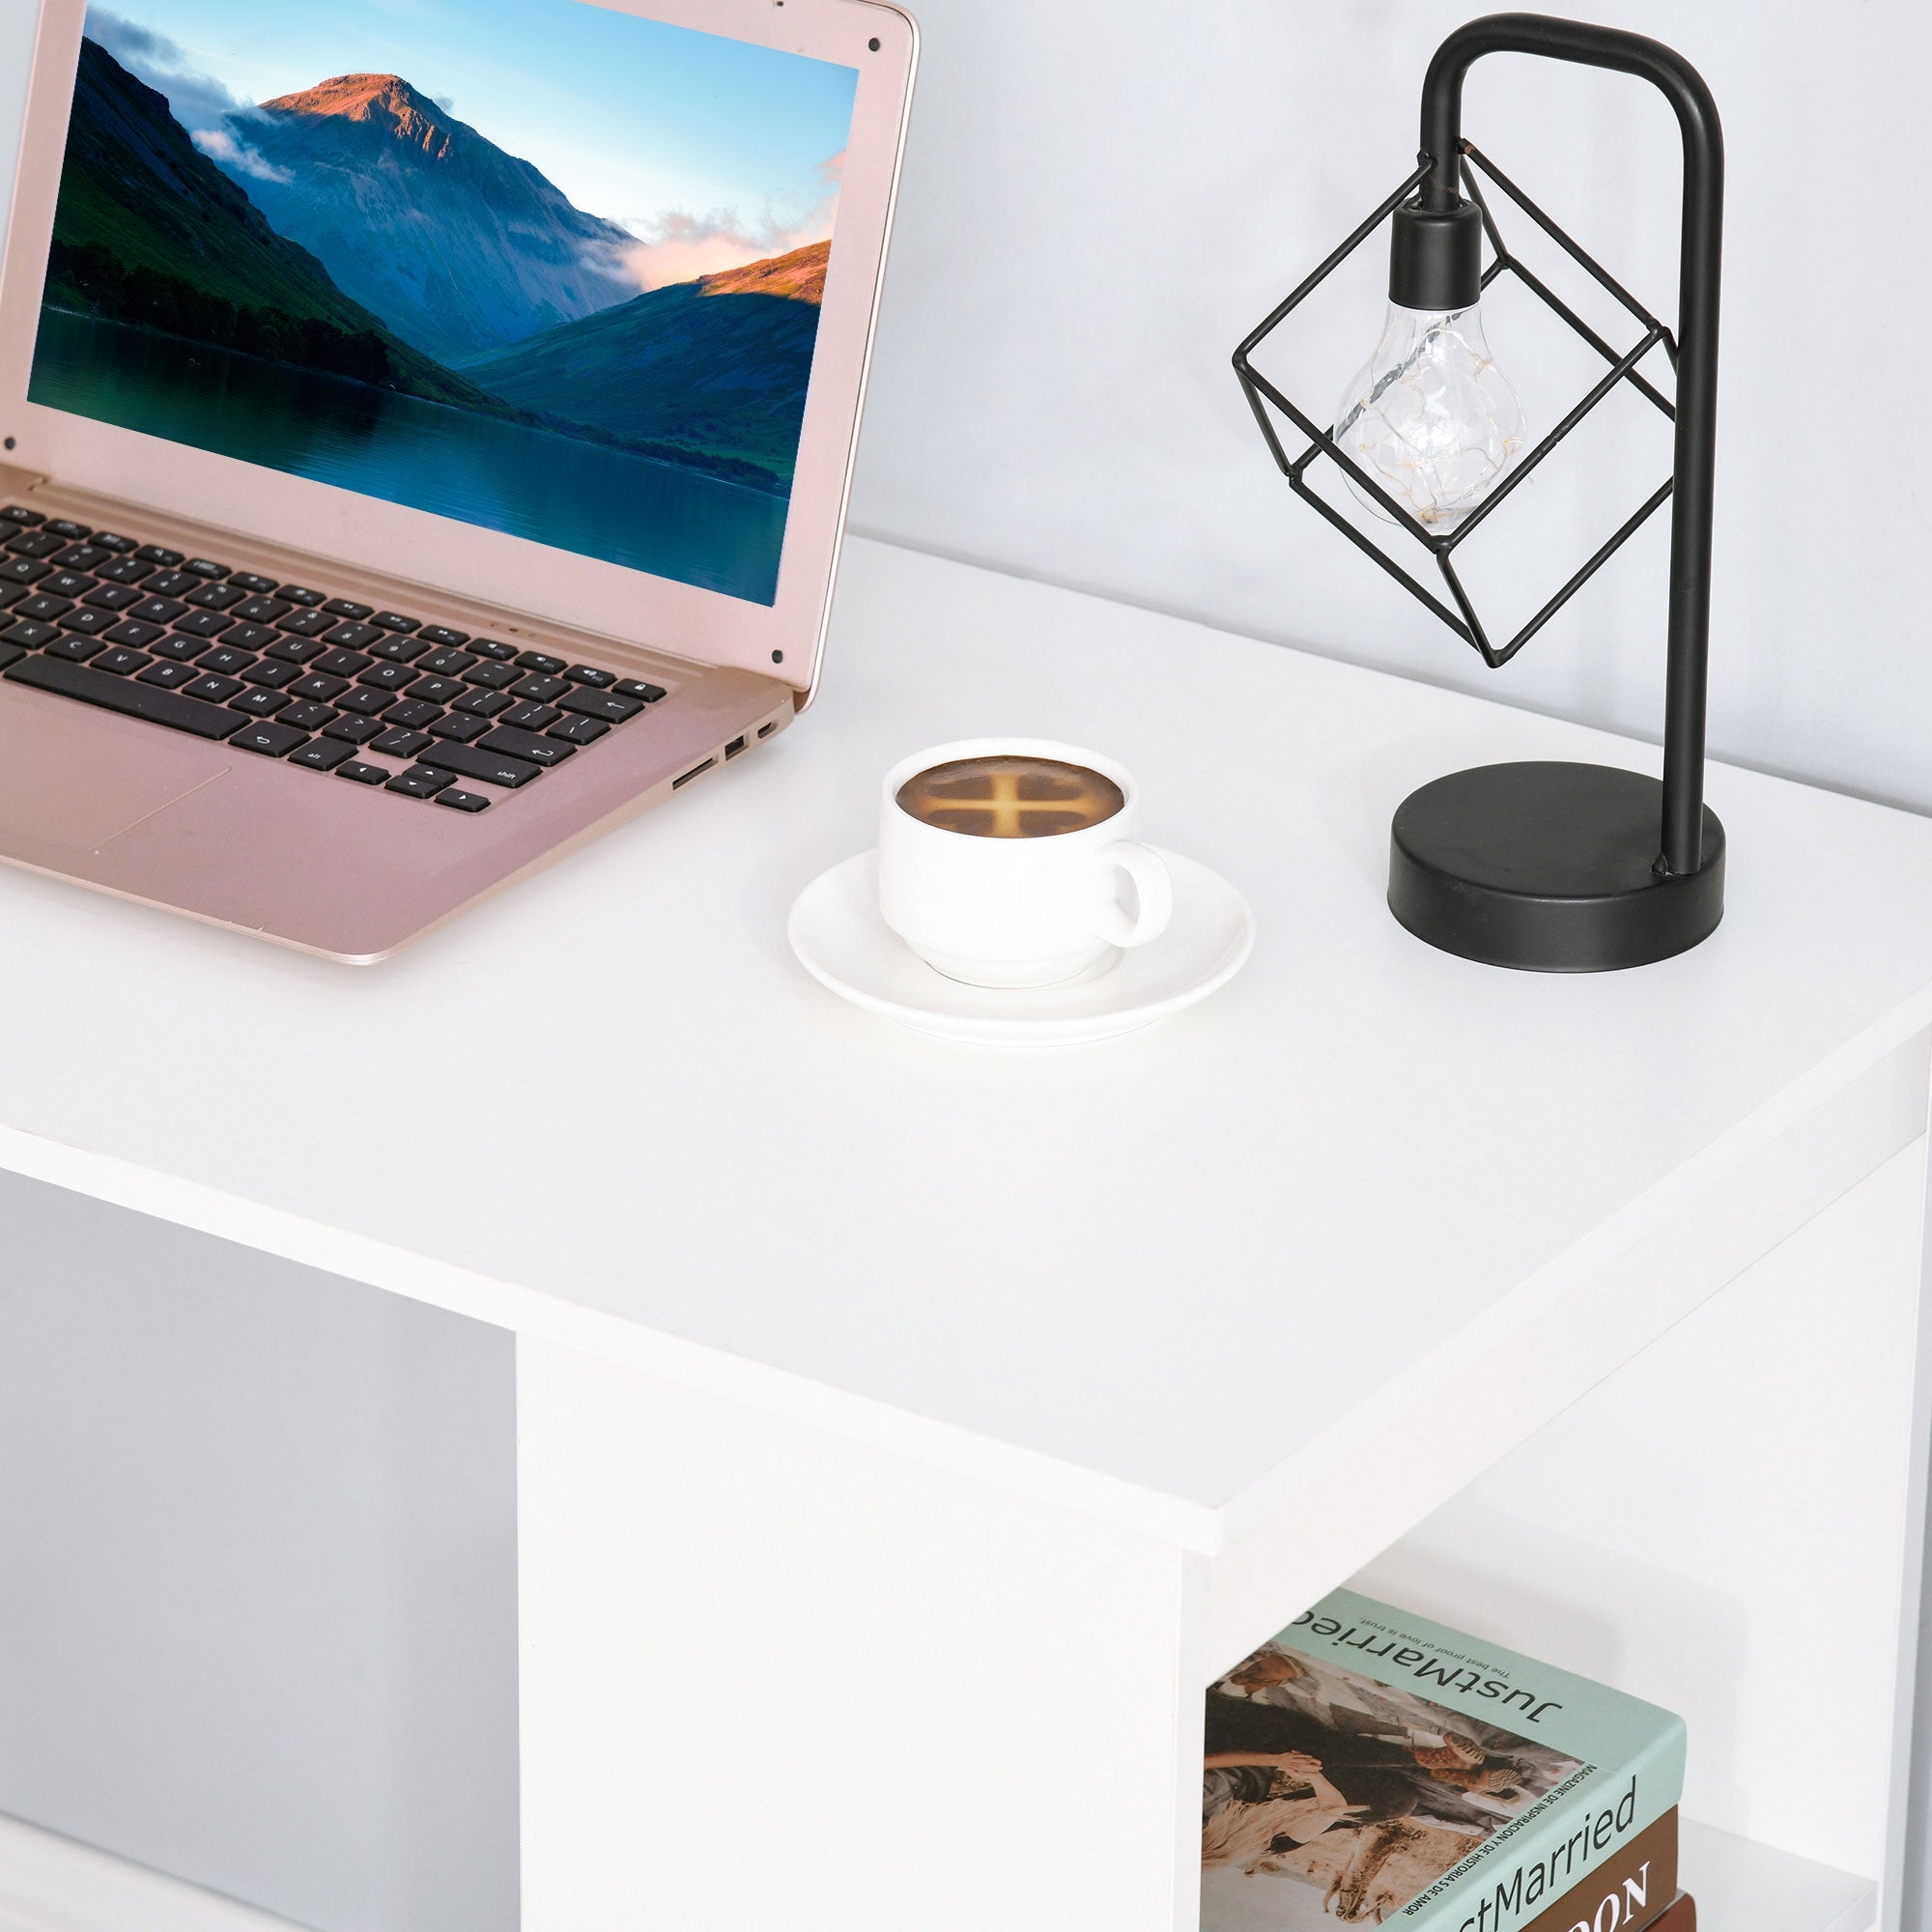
[1555, 868]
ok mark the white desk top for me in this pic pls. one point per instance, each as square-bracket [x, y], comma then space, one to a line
[1139, 1274]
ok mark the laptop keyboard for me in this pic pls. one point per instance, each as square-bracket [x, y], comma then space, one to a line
[323, 683]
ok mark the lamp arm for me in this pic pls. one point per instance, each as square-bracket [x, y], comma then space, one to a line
[1694, 463]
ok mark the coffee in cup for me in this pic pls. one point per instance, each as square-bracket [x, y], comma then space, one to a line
[1011, 795]
[1002, 861]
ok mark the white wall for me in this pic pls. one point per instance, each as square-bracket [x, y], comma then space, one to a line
[258, 1586]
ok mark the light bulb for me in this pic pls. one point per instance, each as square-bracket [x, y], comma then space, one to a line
[1431, 416]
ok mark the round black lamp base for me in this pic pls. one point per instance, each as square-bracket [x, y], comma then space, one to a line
[1550, 868]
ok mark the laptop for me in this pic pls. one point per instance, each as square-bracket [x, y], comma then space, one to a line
[425, 432]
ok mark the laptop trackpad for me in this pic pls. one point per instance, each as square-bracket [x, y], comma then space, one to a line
[70, 778]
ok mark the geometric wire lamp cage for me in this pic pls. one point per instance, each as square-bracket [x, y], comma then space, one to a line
[1551, 867]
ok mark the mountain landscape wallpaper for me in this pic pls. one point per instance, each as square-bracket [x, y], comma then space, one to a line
[585, 315]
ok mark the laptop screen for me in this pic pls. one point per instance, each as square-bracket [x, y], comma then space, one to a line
[539, 266]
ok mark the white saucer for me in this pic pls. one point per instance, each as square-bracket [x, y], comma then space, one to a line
[844, 944]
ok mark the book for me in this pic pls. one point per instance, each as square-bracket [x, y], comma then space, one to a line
[1367, 1766]
[1681, 1917]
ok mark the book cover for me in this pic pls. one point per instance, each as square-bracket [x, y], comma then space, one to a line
[1681, 1917]
[1367, 1766]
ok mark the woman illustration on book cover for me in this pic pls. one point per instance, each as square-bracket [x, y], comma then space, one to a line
[1321, 1775]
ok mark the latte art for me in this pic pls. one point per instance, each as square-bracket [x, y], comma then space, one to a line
[1010, 796]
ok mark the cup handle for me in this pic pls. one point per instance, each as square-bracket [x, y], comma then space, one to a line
[1148, 871]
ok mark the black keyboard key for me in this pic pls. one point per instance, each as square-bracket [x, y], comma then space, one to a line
[539, 690]
[135, 634]
[23, 570]
[607, 705]
[261, 609]
[215, 689]
[90, 622]
[76, 649]
[41, 607]
[28, 635]
[201, 567]
[342, 606]
[258, 703]
[412, 714]
[447, 662]
[217, 597]
[182, 650]
[246, 579]
[390, 620]
[532, 717]
[578, 731]
[322, 754]
[298, 593]
[536, 661]
[306, 624]
[460, 727]
[204, 624]
[342, 664]
[171, 583]
[462, 801]
[154, 554]
[82, 556]
[251, 637]
[125, 570]
[230, 662]
[493, 648]
[118, 545]
[528, 745]
[400, 744]
[10, 654]
[273, 741]
[16, 513]
[319, 684]
[119, 662]
[437, 689]
[419, 782]
[35, 544]
[270, 675]
[353, 636]
[305, 715]
[472, 762]
[296, 651]
[366, 701]
[169, 676]
[131, 697]
[486, 703]
[492, 676]
[63, 527]
[598, 680]
[364, 775]
[398, 649]
[354, 731]
[11, 594]
[159, 610]
[66, 583]
[387, 676]
[636, 687]
[116, 597]
[441, 634]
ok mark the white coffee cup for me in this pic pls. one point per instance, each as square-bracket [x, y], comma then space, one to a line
[1018, 911]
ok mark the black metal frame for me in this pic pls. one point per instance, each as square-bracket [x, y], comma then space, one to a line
[1448, 163]
[1462, 619]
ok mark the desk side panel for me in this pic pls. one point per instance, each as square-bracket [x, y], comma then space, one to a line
[776, 1678]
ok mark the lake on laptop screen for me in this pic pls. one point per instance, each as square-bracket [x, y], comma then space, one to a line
[535, 264]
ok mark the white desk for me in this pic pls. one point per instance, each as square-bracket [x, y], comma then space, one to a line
[988, 1405]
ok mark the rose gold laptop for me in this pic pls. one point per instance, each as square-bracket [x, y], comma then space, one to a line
[424, 430]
